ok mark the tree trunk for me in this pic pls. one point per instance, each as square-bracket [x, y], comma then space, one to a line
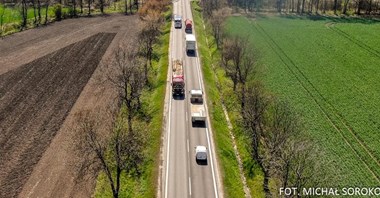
[298, 6]
[335, 6]
[266, 182]
[89, 7]
[370, 7]
[34, 11]
[126, 6]
[317, 7]
[74, 8]
[46, 12]
[311, 6]
[303, 6]
[101, 2]
[345, 6]
[39, 11]
[130, 6]
[81, 6]
[359, 5]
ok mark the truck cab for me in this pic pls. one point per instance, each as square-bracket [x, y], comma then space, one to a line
[196, 96]
[177, 21]
[188, 26]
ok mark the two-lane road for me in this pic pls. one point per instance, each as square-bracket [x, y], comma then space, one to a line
[183, 177]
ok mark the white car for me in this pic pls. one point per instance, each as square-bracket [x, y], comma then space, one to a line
[177, 21]
[201, 153]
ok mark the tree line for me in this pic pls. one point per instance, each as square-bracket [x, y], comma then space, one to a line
[61, 9]
[277, 142]
[122, 151]
[276, 138]
[345, 7]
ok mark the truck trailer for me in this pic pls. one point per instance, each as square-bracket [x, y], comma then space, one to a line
[198, 113]
[178, 78]
[190, 43]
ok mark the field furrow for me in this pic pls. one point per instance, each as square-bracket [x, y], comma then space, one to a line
[34, 102]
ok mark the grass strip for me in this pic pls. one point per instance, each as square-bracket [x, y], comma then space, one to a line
[153, 104]
[216, 89]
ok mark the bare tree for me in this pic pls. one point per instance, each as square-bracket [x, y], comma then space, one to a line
[335, 6]
[39, 11]
[81, 6]
[217, 21]
[126, 6]
[46, 11]
[89, 7]
[121, 152]
[47, 4]
[101, 6]
[74, 13]
[233, 52]
[34, 12]
[24, 13]
[126, 74]
[148, 36]
[345, 4]
[253, 116]
[244, 72]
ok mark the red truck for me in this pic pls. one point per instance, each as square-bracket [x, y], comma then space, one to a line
[188, 26]
[178, 78]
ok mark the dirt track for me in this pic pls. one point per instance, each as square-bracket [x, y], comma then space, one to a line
[45, 77]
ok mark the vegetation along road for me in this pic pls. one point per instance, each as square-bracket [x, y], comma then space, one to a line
[188, 98]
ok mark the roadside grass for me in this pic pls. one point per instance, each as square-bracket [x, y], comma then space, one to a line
[328, 71]
[219, 89]
[153, 106]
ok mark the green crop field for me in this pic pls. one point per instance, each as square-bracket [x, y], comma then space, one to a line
[329, 70]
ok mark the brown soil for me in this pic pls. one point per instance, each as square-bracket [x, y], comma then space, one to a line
[46, 76]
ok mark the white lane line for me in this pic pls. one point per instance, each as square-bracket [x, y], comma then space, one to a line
[169, 123]
[199, 71]
[208, 122]
[190, 185]
[212, 165]
[188, 147]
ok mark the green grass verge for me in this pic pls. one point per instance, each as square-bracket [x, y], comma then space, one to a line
[328, 70]
[216, 88]
[153, 105]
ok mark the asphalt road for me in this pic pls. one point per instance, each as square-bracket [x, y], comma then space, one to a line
[183, 177]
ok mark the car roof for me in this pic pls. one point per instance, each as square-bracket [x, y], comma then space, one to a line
[196, 92]
[190, 37]
[177, 17]
[200, 149]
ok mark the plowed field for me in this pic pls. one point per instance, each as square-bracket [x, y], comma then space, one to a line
[37, 96]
